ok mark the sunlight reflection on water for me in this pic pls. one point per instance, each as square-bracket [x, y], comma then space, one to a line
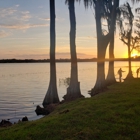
[23, 86]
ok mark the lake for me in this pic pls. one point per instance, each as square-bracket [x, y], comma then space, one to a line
[24, 85]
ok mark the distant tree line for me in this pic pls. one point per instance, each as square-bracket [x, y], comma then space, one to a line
[63, 60]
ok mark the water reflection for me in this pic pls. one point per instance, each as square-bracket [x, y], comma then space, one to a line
[21, 92]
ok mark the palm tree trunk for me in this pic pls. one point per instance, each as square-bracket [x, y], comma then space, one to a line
[102, 42]
[111, 76]
[52, 95]
[73, 91]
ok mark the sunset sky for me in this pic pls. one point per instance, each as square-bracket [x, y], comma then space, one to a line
[24, 30]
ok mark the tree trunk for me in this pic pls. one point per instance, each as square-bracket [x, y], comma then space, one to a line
[111, 76]
[129, 75]
[102, 42]
[52, 95]
[73, 91]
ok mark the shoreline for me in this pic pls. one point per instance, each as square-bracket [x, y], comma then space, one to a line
[117, 108]
[62, 60]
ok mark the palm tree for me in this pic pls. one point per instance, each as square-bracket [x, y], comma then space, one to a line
[126, 34]
[111, 76]
[73, 91]
[52, 95]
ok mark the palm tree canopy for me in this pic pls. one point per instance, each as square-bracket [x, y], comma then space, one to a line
[125, 17]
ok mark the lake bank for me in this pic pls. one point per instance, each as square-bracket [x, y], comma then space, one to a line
[113, 114]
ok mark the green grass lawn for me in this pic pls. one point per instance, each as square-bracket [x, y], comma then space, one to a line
[111, 115]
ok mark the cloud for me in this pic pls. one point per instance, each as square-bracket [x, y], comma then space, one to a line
[13, 18]
[17, 5]
[3, 34]
[62, 55]
[28, 38]
[84, 55]
[85, 38]
[46, 19]
[32, 56]
[5, 12]
[67, 55]
[25, 15]
[13, 13]
[28, 55]
[22, 26]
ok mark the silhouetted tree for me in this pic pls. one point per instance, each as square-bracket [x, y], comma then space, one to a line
[111, 76]
[102, 10]
[126, 32]
[52, 95]
[136, 40]
[73, 91]
[135, 45]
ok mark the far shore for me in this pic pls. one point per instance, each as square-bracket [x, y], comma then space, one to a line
[61, 60]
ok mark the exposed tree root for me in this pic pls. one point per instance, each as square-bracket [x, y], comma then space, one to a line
[96, 90]
[110, 82]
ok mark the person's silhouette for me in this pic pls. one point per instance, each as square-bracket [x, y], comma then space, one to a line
[120, 74]
[137, 71]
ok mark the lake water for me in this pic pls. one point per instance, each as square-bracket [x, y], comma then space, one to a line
[23, 86]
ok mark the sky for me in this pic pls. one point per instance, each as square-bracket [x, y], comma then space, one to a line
[24, 30]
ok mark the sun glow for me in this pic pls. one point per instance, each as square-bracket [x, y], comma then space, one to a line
[134, 54]
[125, 54]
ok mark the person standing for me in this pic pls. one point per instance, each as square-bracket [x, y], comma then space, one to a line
[137, 71]
[120, 74]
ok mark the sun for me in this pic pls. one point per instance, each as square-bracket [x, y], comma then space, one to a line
[134, 54]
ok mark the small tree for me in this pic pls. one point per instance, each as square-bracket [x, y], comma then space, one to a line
[126, 32]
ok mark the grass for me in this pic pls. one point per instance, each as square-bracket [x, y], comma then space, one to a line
[112, 115]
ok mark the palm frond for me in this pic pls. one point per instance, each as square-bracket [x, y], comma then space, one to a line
[88, 3]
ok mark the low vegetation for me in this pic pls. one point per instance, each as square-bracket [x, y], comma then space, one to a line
[111, 115]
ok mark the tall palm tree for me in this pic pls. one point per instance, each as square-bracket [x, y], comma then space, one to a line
[111, 76]
[73, 91]
[52, 95]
